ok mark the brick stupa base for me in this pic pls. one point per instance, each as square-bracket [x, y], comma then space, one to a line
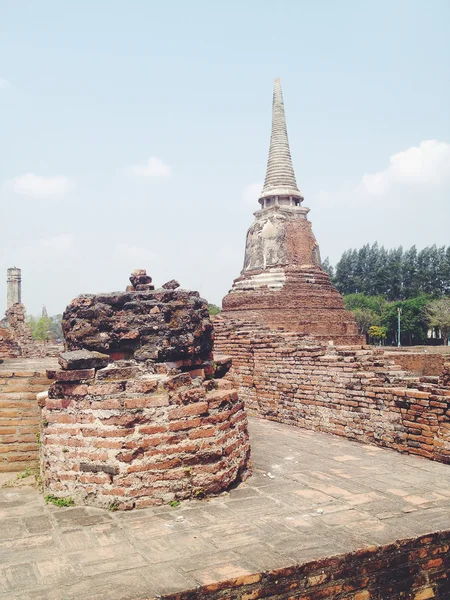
[123, 438]
[297, 299]
[154, 428]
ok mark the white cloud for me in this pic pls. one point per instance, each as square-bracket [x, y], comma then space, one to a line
[4, 83]
[251, 194]
[426, 164]
[155, 167]
[42, 187]
[55, 247]
[134, 253]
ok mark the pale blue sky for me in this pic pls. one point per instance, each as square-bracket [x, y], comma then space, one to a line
[89, 89]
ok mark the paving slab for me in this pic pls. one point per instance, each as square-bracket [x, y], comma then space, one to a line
[311, 496]
[28, 365]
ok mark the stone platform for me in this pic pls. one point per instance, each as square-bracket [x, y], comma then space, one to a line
[312, 496]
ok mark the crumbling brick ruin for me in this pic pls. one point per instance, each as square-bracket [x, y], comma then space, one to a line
[282, 283]
[15, 335]
[359, 393]
[135, 417]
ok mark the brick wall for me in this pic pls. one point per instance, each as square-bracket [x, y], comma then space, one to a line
[355, 392]
[419, 363]
[19, 418]
[409, 569]
[135, 442]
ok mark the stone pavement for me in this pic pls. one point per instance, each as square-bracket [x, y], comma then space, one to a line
[311, 495]
[28, 365]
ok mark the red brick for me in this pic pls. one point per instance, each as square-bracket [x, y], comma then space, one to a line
[189, 410]
[182, 425]
[147, 402]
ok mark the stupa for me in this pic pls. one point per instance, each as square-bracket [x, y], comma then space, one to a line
[282, 283]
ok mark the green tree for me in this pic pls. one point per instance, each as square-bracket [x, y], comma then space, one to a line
[378, 333]
[40, 328]
[328, 268]
[365, 318]
[414, 324]
[213, 309]
[437, 314]
[395, 274]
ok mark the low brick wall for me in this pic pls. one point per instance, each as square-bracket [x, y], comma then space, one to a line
[419, 363]
[409, 569]
[108, 440]
[19, 418]
[356, 392]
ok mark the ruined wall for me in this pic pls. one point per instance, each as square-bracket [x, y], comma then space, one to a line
[19, 418]
[15, 335]
[409, 569]
[353, 392]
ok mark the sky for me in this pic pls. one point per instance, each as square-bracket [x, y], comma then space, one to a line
[135, 134]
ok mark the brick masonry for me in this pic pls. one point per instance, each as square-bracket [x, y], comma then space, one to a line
[19, 418]
[359, 393]
[137, 442]
[419, 363]
[409, 569]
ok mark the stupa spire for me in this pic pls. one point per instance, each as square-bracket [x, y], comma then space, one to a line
[280, 176]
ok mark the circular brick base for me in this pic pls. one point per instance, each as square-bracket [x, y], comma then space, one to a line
[119, 439]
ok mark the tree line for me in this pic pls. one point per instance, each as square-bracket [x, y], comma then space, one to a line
[395, 274]
[377, 284]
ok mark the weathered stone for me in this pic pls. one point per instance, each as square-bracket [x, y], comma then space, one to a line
[118, 370]
[222, 365]
[139, 277]
[159, 326]
[72, 375]
[83, 359]
[171, 285]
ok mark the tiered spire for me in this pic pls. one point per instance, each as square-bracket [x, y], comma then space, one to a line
[280, 177]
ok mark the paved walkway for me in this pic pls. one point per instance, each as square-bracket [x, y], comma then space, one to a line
[311, 495]
[28, 365]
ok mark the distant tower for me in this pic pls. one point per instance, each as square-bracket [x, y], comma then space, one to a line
[14, 287]
[44, 312]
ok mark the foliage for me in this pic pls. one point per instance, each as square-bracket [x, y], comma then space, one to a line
[174, 503]
[29, 471]
[437, 314]
[378, 333]
[395, 274]
[365, 318]
[213, 309]
[59, 501]
[45, 328]
[328, 267]
[376, 311]
[414, 325]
